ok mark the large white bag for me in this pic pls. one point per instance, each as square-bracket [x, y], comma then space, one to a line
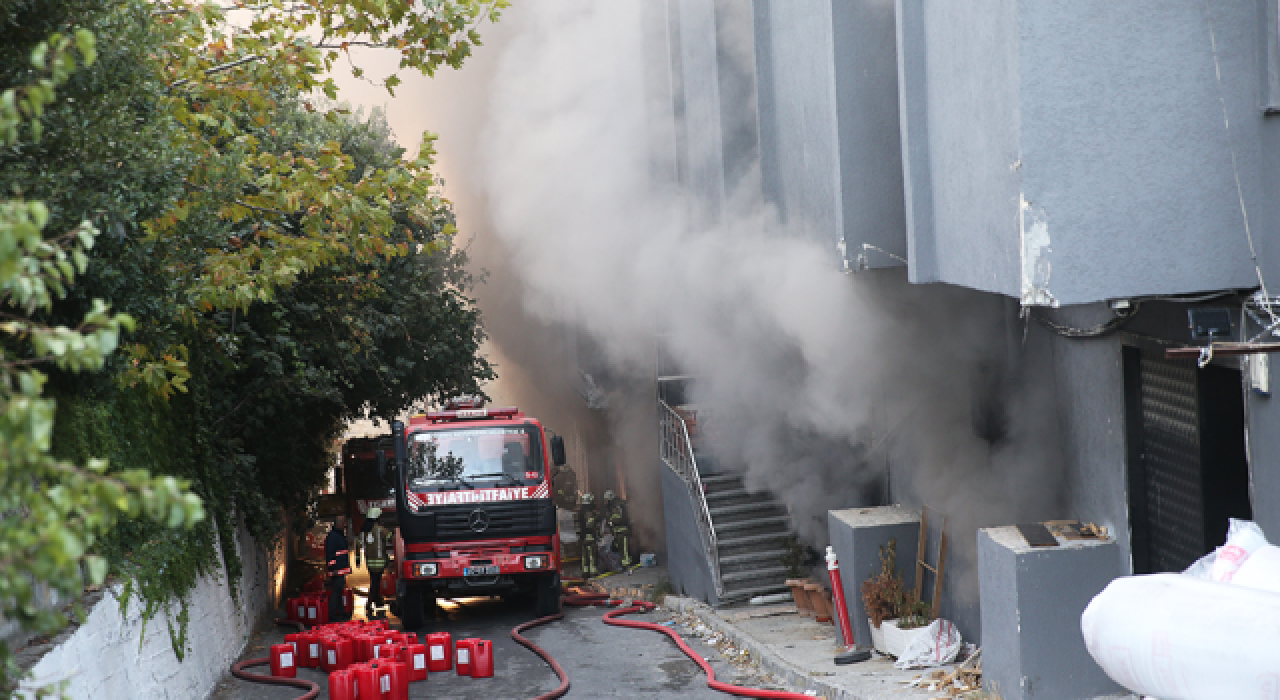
[1260, 570]
[1181, 638]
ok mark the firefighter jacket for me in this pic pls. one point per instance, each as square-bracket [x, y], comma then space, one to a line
[616, 516]
[335, 553]
[375, 543]
[588, 523]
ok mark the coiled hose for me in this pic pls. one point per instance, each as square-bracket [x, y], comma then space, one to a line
[612, 618]
[580, 598]
[238, 670]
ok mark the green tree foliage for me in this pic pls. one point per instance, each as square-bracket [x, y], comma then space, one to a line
[280, 266]
[53, 511]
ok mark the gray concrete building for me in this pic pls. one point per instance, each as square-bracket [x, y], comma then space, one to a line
[1100, 168]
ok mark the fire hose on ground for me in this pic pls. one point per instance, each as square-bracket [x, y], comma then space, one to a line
[238, 670]
[579, 599]
[613, 618]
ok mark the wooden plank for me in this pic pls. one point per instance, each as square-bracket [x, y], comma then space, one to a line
[1193, 352]
[937, 578]
[920, 550]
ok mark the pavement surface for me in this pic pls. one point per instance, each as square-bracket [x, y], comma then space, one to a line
[799, 652]
[602, 661]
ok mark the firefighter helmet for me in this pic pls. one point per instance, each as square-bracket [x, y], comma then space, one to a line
[608, 495]
[586, 499]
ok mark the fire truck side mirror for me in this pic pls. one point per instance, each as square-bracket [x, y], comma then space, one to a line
[397, 436]
[557, 451]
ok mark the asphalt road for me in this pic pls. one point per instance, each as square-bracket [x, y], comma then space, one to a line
[602, 661]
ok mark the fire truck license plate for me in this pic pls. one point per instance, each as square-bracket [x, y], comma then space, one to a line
[481, 570]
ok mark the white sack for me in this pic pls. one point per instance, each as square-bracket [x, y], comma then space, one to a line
[1181, 638]
[1244, 537]
[1260, 570]
[936, 645]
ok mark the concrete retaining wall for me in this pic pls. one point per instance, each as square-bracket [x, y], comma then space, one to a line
[686, 560]
[109, 656]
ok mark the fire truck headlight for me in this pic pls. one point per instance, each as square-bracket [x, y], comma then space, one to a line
[425, 569]
[537, 562]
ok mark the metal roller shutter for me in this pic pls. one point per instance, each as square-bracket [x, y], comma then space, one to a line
[1171, 449]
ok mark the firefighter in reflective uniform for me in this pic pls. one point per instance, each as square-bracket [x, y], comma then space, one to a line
[374, 544]
[564, 488]
[588, 533]
[339, 565]
[615, 514]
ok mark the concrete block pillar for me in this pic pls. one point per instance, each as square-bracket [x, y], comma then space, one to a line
[857, 535]
[1032, 598]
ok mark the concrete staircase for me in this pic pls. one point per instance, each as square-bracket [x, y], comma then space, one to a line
[752, 533]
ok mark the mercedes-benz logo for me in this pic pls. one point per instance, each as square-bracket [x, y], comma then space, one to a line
[479, 521]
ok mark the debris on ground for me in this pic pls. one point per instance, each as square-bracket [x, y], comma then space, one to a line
[963, 680]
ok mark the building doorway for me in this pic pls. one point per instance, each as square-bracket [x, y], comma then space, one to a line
[1188, 470]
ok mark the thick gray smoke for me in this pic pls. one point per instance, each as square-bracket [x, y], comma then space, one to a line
[832, 390]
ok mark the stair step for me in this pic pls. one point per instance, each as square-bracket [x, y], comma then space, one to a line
[729, 495]
[768, 555]
[714, 485]
[737, 594]
[733, 513]
[779, 523]
[739, 494]
[776, 572]
[751, 540]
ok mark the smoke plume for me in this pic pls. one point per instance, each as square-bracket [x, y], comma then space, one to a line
[831, 390]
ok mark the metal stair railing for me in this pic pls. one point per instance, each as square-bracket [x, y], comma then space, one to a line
[677, 454]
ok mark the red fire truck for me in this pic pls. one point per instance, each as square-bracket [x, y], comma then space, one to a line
[474, 508]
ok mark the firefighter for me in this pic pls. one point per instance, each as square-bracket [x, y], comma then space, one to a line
[374, 543]
[615, 514]
[588, 533]
[339, 565]
[564, 488]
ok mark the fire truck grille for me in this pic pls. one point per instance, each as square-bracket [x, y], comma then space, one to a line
[513, 518]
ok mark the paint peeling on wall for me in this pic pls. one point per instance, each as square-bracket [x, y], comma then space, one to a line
[1036, 265]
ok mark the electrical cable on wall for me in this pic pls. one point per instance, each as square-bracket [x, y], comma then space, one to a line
[1235, 168]
[1102, 329]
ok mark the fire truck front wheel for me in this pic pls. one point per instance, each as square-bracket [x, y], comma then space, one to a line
[412, 610]
[547, 593]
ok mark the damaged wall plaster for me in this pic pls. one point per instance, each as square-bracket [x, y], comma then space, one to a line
[1036, 265]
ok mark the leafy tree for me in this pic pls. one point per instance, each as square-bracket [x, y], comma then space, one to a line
[226, 72]
[53, 511]
[282, 266]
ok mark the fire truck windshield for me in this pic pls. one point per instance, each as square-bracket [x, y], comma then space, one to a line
[474, 457]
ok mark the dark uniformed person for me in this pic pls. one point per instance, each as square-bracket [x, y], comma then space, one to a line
[564, 488]
[588, 533]
[339, 565]
[615, 514]
[374, 545]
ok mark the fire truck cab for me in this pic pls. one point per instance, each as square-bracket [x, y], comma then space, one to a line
[473, 500]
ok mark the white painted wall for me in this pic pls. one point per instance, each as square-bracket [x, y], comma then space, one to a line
[110, 657]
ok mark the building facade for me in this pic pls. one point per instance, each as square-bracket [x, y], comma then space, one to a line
[1096, 169]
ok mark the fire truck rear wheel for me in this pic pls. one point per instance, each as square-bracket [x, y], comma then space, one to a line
[547, 594]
